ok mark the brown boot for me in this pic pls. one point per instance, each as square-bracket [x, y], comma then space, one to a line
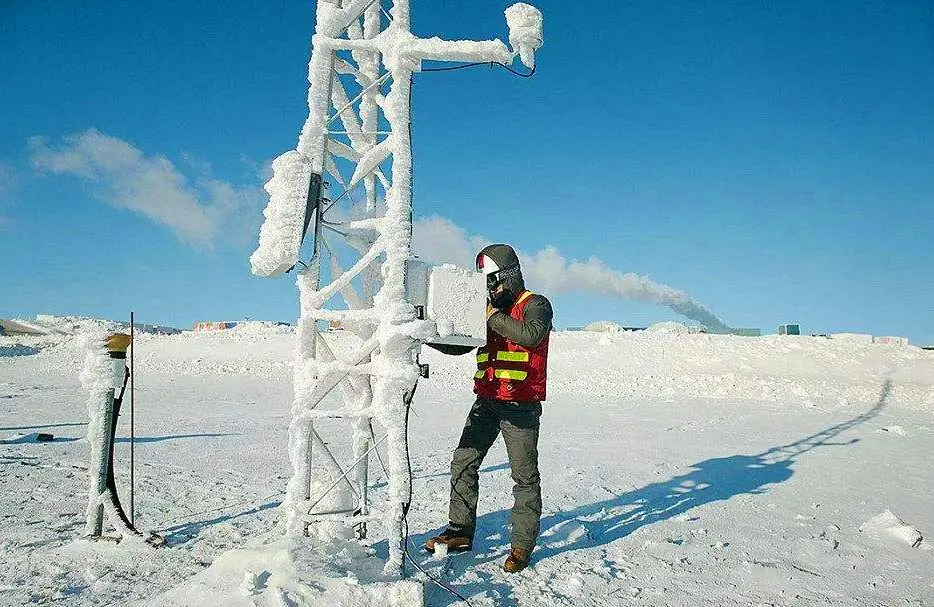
[458, 539]
[517, 560]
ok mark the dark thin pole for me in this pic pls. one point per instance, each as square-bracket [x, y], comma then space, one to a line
[132, 404]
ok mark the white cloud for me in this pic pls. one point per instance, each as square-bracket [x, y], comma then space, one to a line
[440, 240]
[124, 177]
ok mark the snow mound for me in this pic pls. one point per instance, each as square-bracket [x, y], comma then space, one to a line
[670, 327]
[604, 326]
[28, 327]
[288, 572]
[73, 325]
[19, 439]
[888, 526]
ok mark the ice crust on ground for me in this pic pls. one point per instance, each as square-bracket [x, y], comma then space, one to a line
[677, 469]
[886, 525]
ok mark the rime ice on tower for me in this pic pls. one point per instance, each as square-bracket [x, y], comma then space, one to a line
[355, 145]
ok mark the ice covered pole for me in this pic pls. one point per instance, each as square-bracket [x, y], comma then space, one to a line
[103, 375]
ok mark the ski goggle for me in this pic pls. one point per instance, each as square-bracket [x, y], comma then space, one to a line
[494, 279]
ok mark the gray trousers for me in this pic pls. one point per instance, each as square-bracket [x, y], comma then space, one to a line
[519, 423]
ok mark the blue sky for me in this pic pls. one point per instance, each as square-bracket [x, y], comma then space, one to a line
[773, 160]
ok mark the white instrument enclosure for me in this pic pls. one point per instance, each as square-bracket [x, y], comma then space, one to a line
[453, 297]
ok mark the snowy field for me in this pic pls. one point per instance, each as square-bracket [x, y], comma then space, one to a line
[677, 470]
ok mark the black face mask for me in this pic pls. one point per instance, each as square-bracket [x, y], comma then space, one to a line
[503, 299]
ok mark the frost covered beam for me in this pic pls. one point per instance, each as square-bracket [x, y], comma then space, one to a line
[431, 49]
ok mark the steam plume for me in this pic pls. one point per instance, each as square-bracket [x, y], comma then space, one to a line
[442, 241]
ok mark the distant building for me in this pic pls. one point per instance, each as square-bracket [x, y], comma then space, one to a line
[212, 325]
[746, 332]
[246, 324]
[856, 338]
[789, 329]
[890, 340]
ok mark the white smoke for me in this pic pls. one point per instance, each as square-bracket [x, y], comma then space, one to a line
[439, 240]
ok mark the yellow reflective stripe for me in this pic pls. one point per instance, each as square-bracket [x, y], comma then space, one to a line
[478, 375]
[523, 297]
[520, 357]
[509, 374]
[482, 358]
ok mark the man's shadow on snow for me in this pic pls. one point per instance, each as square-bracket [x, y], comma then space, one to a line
[601, 523]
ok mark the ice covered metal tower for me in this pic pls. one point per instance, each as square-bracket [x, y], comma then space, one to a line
[347, 188]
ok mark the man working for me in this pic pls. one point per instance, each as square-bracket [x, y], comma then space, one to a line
[510, 388]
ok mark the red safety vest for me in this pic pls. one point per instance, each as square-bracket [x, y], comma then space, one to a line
[507, 371]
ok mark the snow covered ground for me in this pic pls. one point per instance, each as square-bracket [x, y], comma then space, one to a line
[677, 470]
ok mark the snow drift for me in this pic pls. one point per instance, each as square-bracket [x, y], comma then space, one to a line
[677, 469]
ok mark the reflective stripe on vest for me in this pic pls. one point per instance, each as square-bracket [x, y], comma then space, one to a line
[519, 357]
[510, 374]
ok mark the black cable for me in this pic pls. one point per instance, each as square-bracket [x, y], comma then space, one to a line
[111, 480]
[478, 63]
[452, 68]
[407, 399]
[520, 74]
